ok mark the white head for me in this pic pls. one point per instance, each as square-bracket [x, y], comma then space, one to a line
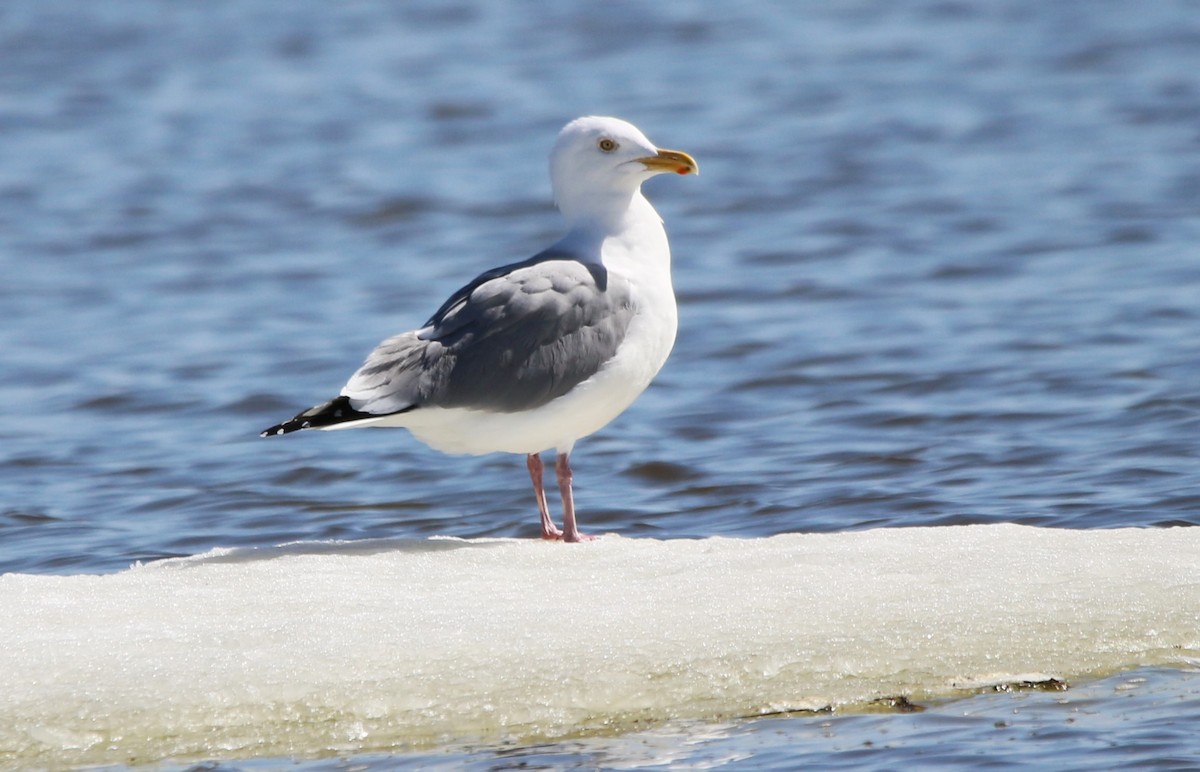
[598, 164]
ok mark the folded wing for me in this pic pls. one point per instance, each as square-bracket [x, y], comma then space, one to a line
[514, 339]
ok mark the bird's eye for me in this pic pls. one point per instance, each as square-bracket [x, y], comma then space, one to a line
[607, 145]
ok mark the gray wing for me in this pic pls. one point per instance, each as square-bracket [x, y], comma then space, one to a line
[513, 339]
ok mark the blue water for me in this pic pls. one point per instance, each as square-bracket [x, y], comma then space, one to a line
[940, 267]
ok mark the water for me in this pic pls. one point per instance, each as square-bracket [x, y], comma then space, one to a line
[939, 269]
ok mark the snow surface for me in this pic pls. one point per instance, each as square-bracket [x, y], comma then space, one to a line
[321, 648]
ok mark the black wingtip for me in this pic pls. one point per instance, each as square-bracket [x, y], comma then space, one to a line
[287, 427]
[335, 411]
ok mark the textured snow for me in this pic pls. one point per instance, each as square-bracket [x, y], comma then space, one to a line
[318, 648]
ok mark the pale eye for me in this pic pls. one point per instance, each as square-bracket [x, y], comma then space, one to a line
[607, 145]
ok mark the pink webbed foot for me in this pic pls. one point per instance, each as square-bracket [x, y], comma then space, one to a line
[549, 531]
[562, 468]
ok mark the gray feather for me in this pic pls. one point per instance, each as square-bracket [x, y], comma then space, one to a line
[514, 339]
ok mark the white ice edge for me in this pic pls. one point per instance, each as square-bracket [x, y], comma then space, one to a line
[313, 648]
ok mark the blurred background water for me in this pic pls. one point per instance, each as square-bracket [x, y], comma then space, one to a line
[940, 267]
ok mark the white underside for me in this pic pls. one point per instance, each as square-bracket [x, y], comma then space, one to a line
[636, 249]
[558, 424]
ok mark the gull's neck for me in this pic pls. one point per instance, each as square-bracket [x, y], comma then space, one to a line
[617, 218]
[629, 239]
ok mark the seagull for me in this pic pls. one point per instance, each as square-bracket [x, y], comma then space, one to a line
[538, 354]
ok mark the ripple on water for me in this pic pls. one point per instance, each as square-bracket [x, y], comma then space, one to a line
[938, 271]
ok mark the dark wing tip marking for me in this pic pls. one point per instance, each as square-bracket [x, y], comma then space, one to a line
[335, 411]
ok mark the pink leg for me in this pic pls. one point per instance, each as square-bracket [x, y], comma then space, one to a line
[534, 462]
[562, 467]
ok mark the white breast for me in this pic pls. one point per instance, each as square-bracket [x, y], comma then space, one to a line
[638, 253]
